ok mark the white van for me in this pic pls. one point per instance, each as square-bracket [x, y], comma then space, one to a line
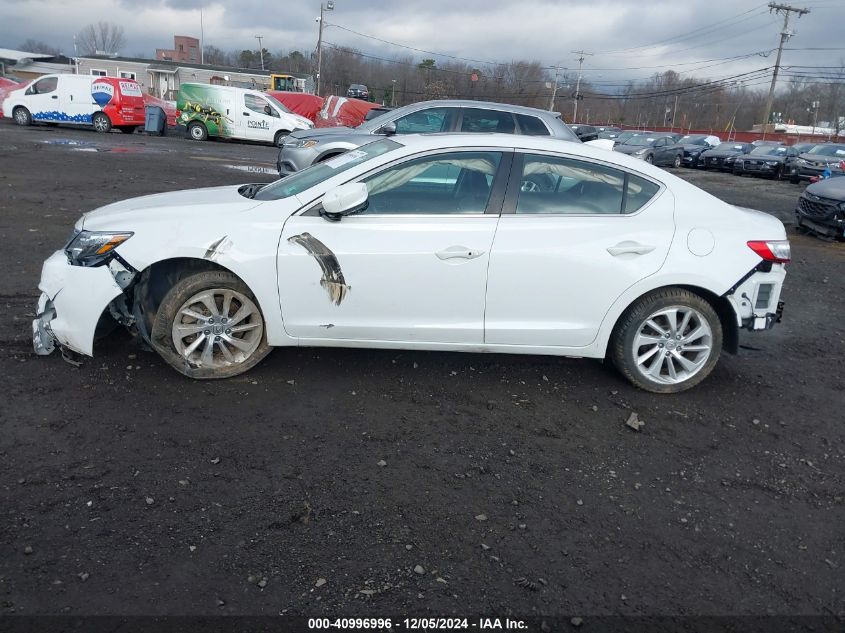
[230, 112]
[101, 102]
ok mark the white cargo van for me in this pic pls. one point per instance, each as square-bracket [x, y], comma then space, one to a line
[229, 112]
[101, 102]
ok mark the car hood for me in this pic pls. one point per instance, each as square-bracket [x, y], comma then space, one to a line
[764, 158]
[818, 158]
[323, 133]
[629, 149]
[171, 207]
[832, 188]
[694, 148]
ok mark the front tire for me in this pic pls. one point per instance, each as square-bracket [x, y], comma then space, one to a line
[197, 131]
[649, 159]
[209, 326]
[668, 341]
[677, 162]
[22, 116]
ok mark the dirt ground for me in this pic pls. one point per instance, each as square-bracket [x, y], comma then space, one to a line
[511, 484]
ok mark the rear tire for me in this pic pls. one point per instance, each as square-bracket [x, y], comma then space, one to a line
[101, 123]
[197, 131]
[249, 344]
[280, 137]
[668, 341]
[22, 116]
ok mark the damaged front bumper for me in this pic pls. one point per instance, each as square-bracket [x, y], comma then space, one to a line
[72, 301]
[756, 298]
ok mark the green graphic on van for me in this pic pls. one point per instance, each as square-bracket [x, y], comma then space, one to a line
[196, 103]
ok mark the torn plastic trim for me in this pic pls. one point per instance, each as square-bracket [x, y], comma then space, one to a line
[43, 341]
[332, 280]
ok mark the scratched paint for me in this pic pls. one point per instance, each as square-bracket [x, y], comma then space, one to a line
[332, 280]
[218, 248]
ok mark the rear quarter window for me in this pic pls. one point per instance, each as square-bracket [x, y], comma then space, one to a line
[532, 126]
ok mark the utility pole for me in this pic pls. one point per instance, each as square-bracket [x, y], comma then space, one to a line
[578, 85]
[202, 40]
[785, 34]
[554, 89]
[260, 49]
[329, 6]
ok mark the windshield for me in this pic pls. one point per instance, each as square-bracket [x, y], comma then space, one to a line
[729, 147]
[278, 103]
[314, 175]
[829, 150]
[769, 150]
[640, 141]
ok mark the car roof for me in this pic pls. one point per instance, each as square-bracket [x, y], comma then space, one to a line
[467, 103]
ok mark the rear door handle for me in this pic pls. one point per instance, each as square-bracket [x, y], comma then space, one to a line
[55, 97]
[458, 252]
[630, 248]
[246, 113]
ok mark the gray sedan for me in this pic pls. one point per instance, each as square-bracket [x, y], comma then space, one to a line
[303, 149]
[660, 149]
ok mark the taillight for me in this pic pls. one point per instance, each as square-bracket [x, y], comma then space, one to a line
[776, 251]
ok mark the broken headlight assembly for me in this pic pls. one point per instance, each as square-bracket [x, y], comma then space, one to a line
[300, 143]
[92, 248]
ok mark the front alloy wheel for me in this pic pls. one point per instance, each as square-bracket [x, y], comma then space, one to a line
[668, 341]
[210, 326]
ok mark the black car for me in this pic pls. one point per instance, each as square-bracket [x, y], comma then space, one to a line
[790, 165]
[659, 149]
[723, 155]
[765, 160]
[358, 91]
[585, 132]
[694, 146]
[821, 208]
[609, 133]
[821, 158]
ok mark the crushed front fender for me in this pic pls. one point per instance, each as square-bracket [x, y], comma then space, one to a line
[73, 299]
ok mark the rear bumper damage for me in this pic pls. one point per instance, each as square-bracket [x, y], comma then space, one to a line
[756, 298]
[73, 298]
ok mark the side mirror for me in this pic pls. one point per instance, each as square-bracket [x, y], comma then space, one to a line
[345, 200]
[388, 128]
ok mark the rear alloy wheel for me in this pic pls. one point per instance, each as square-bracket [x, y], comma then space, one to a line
[669, 341]
[198, 131]
[209, 326]
[280, 138]
[22, 116]
[101, 122]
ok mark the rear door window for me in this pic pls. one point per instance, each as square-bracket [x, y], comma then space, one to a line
[482, 120]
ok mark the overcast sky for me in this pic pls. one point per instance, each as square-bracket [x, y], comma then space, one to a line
[621, 33]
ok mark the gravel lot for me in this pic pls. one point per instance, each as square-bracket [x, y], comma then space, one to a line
[511, 483]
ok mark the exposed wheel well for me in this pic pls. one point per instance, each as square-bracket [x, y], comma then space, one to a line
[152, 285]
[328, 156]
[727, 316]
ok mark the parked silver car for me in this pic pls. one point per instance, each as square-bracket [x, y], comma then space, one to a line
[303, 149]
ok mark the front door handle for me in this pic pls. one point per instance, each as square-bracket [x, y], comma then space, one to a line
[55, 97]
[246, 113]
[458, 252]
[630, 248]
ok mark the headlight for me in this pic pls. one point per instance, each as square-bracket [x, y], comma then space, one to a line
[641, 151]
[300, 143]
[772, 163]
[801, 161]
[92, 248]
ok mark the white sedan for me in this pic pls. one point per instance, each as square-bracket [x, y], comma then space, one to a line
[477, 243]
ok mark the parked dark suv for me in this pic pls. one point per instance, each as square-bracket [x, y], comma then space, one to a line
[821, 208]
[358, 91]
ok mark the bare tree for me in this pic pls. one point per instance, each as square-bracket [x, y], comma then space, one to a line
[37, 46]
[102, 37]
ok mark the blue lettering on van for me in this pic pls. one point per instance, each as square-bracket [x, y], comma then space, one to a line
[61, 116]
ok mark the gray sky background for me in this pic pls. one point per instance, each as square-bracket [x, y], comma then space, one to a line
[631, 39]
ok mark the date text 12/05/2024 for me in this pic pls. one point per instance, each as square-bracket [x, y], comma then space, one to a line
[417, 623]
